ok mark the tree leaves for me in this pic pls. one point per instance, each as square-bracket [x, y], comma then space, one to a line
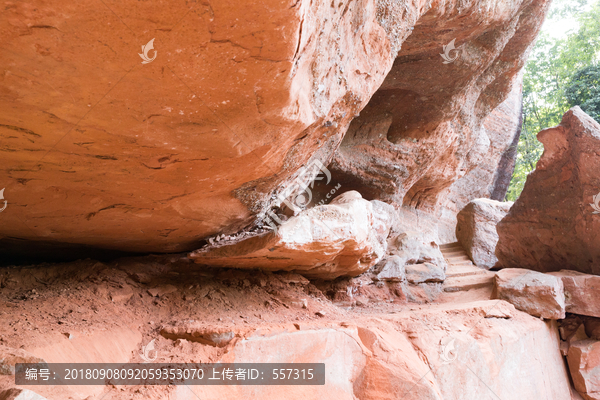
[584, 90]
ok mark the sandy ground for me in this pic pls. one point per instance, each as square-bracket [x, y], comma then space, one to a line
[121, 305]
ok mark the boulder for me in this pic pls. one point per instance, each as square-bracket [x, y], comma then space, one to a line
[476, 229]
[415, 249]
[553, 224]
[538, 294]
[410, 253]
[394, 269]
[424, 273]
[201, 140]
[584, 364]
[582, 292]
[208, 141]
[343, 238]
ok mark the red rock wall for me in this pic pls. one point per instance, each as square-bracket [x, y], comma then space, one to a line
[99, 149]
[489, 178]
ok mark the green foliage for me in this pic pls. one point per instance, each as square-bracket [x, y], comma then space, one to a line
[584, 90]
[559, 74]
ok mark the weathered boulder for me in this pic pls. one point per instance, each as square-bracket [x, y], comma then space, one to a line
[393, 269]
[552, 225]
[200, 141]
[584, 364]
[241, 97]
[424, 273]
[476, 229]
[582, 292]
[538, 294]
[343, 238]
[410, 253]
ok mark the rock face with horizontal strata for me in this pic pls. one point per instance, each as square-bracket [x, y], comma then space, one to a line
[552, 225]
[101, 150]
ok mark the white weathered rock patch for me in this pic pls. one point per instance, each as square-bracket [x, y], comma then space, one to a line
[344, 238]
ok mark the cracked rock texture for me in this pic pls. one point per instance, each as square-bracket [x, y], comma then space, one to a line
[99, 149]
[553, 225]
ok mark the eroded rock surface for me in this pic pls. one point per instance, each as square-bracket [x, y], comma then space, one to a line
[154, 157]
[386, 358]
[150, 157]
[552, 225]
[490, 177]
[343, 238]
[476, 229]
[424, 129]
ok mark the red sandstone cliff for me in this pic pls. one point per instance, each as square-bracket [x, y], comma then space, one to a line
[99, 149]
